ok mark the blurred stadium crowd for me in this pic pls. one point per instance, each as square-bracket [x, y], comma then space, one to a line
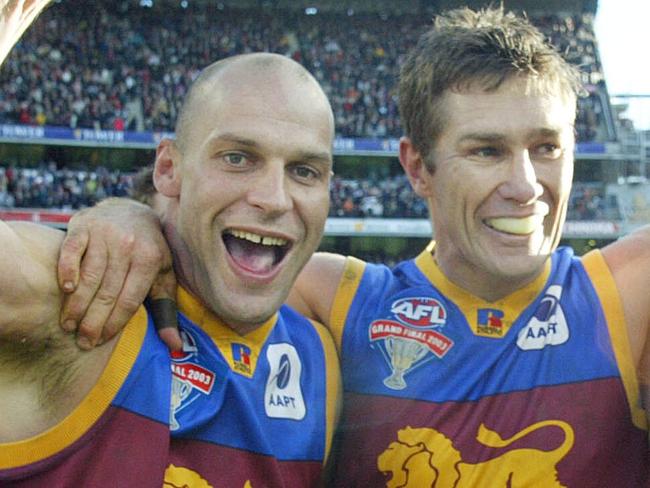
[110, 66]
[387, 197]
[116, 66]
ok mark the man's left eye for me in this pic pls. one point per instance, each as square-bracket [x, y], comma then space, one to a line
[305, 172]
[549, 150]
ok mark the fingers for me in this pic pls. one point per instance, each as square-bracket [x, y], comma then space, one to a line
[172, 338]
[123, 289]
[76, 304]
[109, 301]
[73, 248]
[163, 312]
[162, 301]
[109, 260]
[142, 276]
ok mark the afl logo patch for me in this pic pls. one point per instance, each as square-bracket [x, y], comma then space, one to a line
[419, 312]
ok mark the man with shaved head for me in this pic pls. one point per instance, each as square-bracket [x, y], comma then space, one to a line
[250, 398]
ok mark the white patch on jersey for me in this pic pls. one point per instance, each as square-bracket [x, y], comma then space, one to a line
[548, 326]
[283, 397]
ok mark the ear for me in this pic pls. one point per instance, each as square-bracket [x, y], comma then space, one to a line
[167, 171]
[415, 168]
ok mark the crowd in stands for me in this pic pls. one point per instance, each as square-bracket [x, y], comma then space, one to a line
[390, 197]
[47, 186]
[119, 67]
[66, 189]
[589, 201]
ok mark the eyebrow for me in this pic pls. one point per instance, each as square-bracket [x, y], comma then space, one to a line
[498, 137]
[307, 156]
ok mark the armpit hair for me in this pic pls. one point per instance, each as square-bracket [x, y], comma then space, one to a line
[51, 361]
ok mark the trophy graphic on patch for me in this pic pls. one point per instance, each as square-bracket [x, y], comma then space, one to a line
[413, 338]
[180, 391]
[403, 353]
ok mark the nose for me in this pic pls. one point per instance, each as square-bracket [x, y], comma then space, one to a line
[521, 184]
[269, 192]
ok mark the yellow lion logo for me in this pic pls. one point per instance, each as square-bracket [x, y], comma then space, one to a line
[424, 457]
[179, 477]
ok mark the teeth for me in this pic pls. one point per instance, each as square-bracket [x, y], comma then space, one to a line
[273, 241]
[513, 225]
[258, 239]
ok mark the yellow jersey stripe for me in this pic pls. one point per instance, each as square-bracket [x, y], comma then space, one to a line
[347, 289]
[603, 281]
[91, 408]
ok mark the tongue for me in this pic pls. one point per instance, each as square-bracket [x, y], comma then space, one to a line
[251, 256]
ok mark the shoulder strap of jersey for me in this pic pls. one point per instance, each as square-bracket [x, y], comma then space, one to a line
[347, 289]
[610, 300]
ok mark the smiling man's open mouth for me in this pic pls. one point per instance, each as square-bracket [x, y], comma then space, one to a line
[254, 252]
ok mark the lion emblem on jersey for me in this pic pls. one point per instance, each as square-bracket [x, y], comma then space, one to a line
[179, 477]
[423, 457]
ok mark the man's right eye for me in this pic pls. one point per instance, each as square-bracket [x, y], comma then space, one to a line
[235, 159]
[487, 152]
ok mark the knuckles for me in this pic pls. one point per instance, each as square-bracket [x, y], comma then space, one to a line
[130, 304]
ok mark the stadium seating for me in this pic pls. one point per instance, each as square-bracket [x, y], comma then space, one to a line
[105, 66]
[373, 197]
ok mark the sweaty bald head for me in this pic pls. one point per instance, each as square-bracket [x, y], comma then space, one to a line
[253, 73]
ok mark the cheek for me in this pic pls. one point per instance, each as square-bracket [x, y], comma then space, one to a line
[557, 185]
[314, 212]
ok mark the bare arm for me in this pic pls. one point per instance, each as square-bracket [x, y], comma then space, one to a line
[28, 296]
[43, 375]
[629, 261]
[313, 292]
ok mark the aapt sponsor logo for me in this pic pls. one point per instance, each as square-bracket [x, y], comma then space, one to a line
[548, 326]
[412, 339]
[283, 395]
[490, 322]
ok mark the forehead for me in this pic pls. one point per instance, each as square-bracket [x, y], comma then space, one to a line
[261, 106]
[517, 107]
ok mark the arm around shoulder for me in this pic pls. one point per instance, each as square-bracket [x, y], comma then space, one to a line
[43, 375]
[629, 261]
[29, 295]
[315, 288]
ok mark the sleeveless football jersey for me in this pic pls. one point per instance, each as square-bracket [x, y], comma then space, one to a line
[444, 389]
[118, 436]
[227, 411]
[255, 410]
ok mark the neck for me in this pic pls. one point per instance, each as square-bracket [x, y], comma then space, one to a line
[186, 278]
[482, 283]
